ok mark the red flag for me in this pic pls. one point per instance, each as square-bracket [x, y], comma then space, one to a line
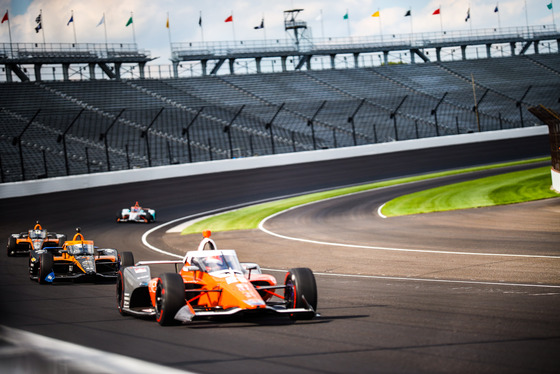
[5, 17]
[229, 19]
[435, 12]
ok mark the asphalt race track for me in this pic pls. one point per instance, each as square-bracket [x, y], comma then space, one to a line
[469, 291]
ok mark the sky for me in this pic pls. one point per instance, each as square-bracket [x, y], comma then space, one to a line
[325, 18]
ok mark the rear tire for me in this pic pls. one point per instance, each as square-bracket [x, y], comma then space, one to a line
[300, 291]
[45, 267]
[170, 297]
[61, 240]
[126, 259]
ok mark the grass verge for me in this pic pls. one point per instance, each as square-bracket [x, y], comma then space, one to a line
[508, 188]
[250, 217]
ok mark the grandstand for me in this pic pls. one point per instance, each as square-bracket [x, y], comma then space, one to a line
[55, 128]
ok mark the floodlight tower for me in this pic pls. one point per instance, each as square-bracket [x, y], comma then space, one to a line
[300, 31]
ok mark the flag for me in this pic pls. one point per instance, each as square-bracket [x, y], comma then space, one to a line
[345, 16]
[167, 23]
[200, 21]
[376, 14]
[408, 13]
[549, 6]
[38, 20]
[468, 14]
[436, 12]
[496, 9]
[70, 20]
[102, 21]
[229, 19]
[5, 18]
[129, 21]
[261, 26]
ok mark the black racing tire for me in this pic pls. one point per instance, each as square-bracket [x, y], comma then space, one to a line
[300, 291]
[170, 297]
[120, 293]
[45, 267]
[11, 248]
[119, 216]
[126, 259]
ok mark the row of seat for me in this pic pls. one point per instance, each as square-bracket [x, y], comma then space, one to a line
[301, 110]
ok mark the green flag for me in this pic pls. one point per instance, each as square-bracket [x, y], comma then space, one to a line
[129, 21]
[549, 6]
[345, 16]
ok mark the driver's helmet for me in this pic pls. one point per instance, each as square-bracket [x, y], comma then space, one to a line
[214, 263]
[135, 208]
[36, 234]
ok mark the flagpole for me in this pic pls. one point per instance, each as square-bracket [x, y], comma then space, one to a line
[169, 33]
[74, 28]
[10, 33]
[411, 30]
[42, 29]
[105, 28]
[348, 22]
[440, 20]
[499, 22]
[527, 18]
[201, 28]
[133, 30]
[552, 13]
[322, 25]
[264, 29]
[380, 28]
[233, 27]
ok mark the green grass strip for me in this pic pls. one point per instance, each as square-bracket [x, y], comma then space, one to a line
[508, 188]
[250, 217]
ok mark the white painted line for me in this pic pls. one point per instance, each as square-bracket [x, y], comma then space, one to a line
[261, 227]
[379, 211]
[394, 249]
[484, 283]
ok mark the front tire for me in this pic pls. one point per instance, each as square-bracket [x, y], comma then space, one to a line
[126, 259]
[120, 293]
[12, 243]
[170, 297]
[45, 267]
[300, 291]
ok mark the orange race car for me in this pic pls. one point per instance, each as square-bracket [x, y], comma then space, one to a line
[213, 283]
[75, 259]
[34, 239]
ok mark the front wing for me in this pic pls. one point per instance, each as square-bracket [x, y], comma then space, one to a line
[186, 314]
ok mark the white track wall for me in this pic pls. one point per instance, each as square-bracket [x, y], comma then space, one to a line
[555, 180]
[35, 187]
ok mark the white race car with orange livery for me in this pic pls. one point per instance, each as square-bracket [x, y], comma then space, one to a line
[136, 213]
[213, 283]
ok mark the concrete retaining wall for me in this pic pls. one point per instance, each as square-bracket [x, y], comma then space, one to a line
[34, 187]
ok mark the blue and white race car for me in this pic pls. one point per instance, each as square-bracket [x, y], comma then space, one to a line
[136, 214]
